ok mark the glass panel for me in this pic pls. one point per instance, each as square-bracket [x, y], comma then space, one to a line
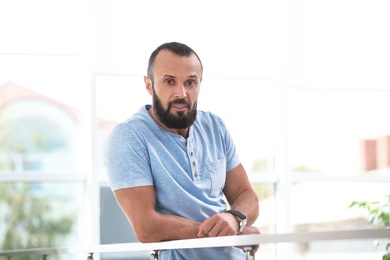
[41, 123]
[266, 252]
[119, 97]
[266, 219]
[361, 249]
[346, 249]
[121, 232]
[247, 108]
[339, 132]
[40, 215]
[317, 206]
[346, 51]
[237, 40]
[27, 27]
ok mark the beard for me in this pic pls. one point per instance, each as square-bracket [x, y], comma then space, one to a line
[179, 121]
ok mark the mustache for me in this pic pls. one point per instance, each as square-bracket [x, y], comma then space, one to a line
[179, 101]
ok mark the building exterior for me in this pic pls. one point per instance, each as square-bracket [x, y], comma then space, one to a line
[41, 134]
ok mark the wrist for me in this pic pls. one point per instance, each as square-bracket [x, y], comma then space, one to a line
[242, 220]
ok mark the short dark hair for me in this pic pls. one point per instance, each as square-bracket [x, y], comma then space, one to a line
[174, 47]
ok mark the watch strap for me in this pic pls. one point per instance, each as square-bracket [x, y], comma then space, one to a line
[236, 213]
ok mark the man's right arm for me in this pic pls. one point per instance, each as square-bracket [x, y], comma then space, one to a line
[138, 204]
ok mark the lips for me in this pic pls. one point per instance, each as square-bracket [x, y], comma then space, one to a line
[180, 104]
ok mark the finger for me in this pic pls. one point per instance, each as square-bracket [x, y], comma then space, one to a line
[224, 233]
[201, 233]
[221, 230]
[214, 232]
[205, 228]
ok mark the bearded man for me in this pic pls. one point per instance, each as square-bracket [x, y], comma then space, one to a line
[170, 165]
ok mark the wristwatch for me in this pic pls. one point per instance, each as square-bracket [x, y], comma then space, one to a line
[242, 217]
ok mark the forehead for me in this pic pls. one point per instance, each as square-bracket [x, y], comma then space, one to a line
[167, 62]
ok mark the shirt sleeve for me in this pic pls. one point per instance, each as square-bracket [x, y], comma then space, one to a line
[127, 159]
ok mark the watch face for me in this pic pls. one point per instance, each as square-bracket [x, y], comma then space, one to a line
[242, 225]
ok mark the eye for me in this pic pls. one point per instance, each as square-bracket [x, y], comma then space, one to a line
[190, 83]
[170, 81]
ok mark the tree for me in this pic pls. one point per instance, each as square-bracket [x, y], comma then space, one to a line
[379, 215]
[30, 219]
[5, 161]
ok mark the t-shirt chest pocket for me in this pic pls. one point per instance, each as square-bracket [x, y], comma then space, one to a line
[217, 171]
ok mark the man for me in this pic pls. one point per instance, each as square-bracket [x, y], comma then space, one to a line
[170, 165]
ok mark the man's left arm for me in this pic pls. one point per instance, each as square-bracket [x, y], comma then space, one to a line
[240, 194]
[241, 197]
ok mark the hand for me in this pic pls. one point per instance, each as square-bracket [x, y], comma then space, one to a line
[222, 224]
[250, 230]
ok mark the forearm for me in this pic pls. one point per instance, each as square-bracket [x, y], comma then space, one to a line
[138, 204]
[240, 194]
[226, 224]
[248, 204]
[157, 227]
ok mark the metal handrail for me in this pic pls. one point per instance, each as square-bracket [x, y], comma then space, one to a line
[247, 241]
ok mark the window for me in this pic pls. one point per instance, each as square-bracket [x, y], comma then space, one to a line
[304, 97]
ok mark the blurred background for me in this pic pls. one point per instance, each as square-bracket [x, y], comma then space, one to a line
[303, 86]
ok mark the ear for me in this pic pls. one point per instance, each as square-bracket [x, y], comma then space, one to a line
[148, 85]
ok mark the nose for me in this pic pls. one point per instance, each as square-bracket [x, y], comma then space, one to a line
[180, 91]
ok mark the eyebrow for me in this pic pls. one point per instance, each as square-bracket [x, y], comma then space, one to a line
[171, 76]
[194, 76]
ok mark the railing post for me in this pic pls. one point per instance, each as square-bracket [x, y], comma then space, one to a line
[90, 257]
[249, 252]
[154, 255]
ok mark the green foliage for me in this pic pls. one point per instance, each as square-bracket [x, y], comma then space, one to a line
[379, 215]
[30, 219]
[303, 168]
[5, 143]
[262, 165]
[263, 190]
[27, 215]
[379, 212]
[265, 165]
